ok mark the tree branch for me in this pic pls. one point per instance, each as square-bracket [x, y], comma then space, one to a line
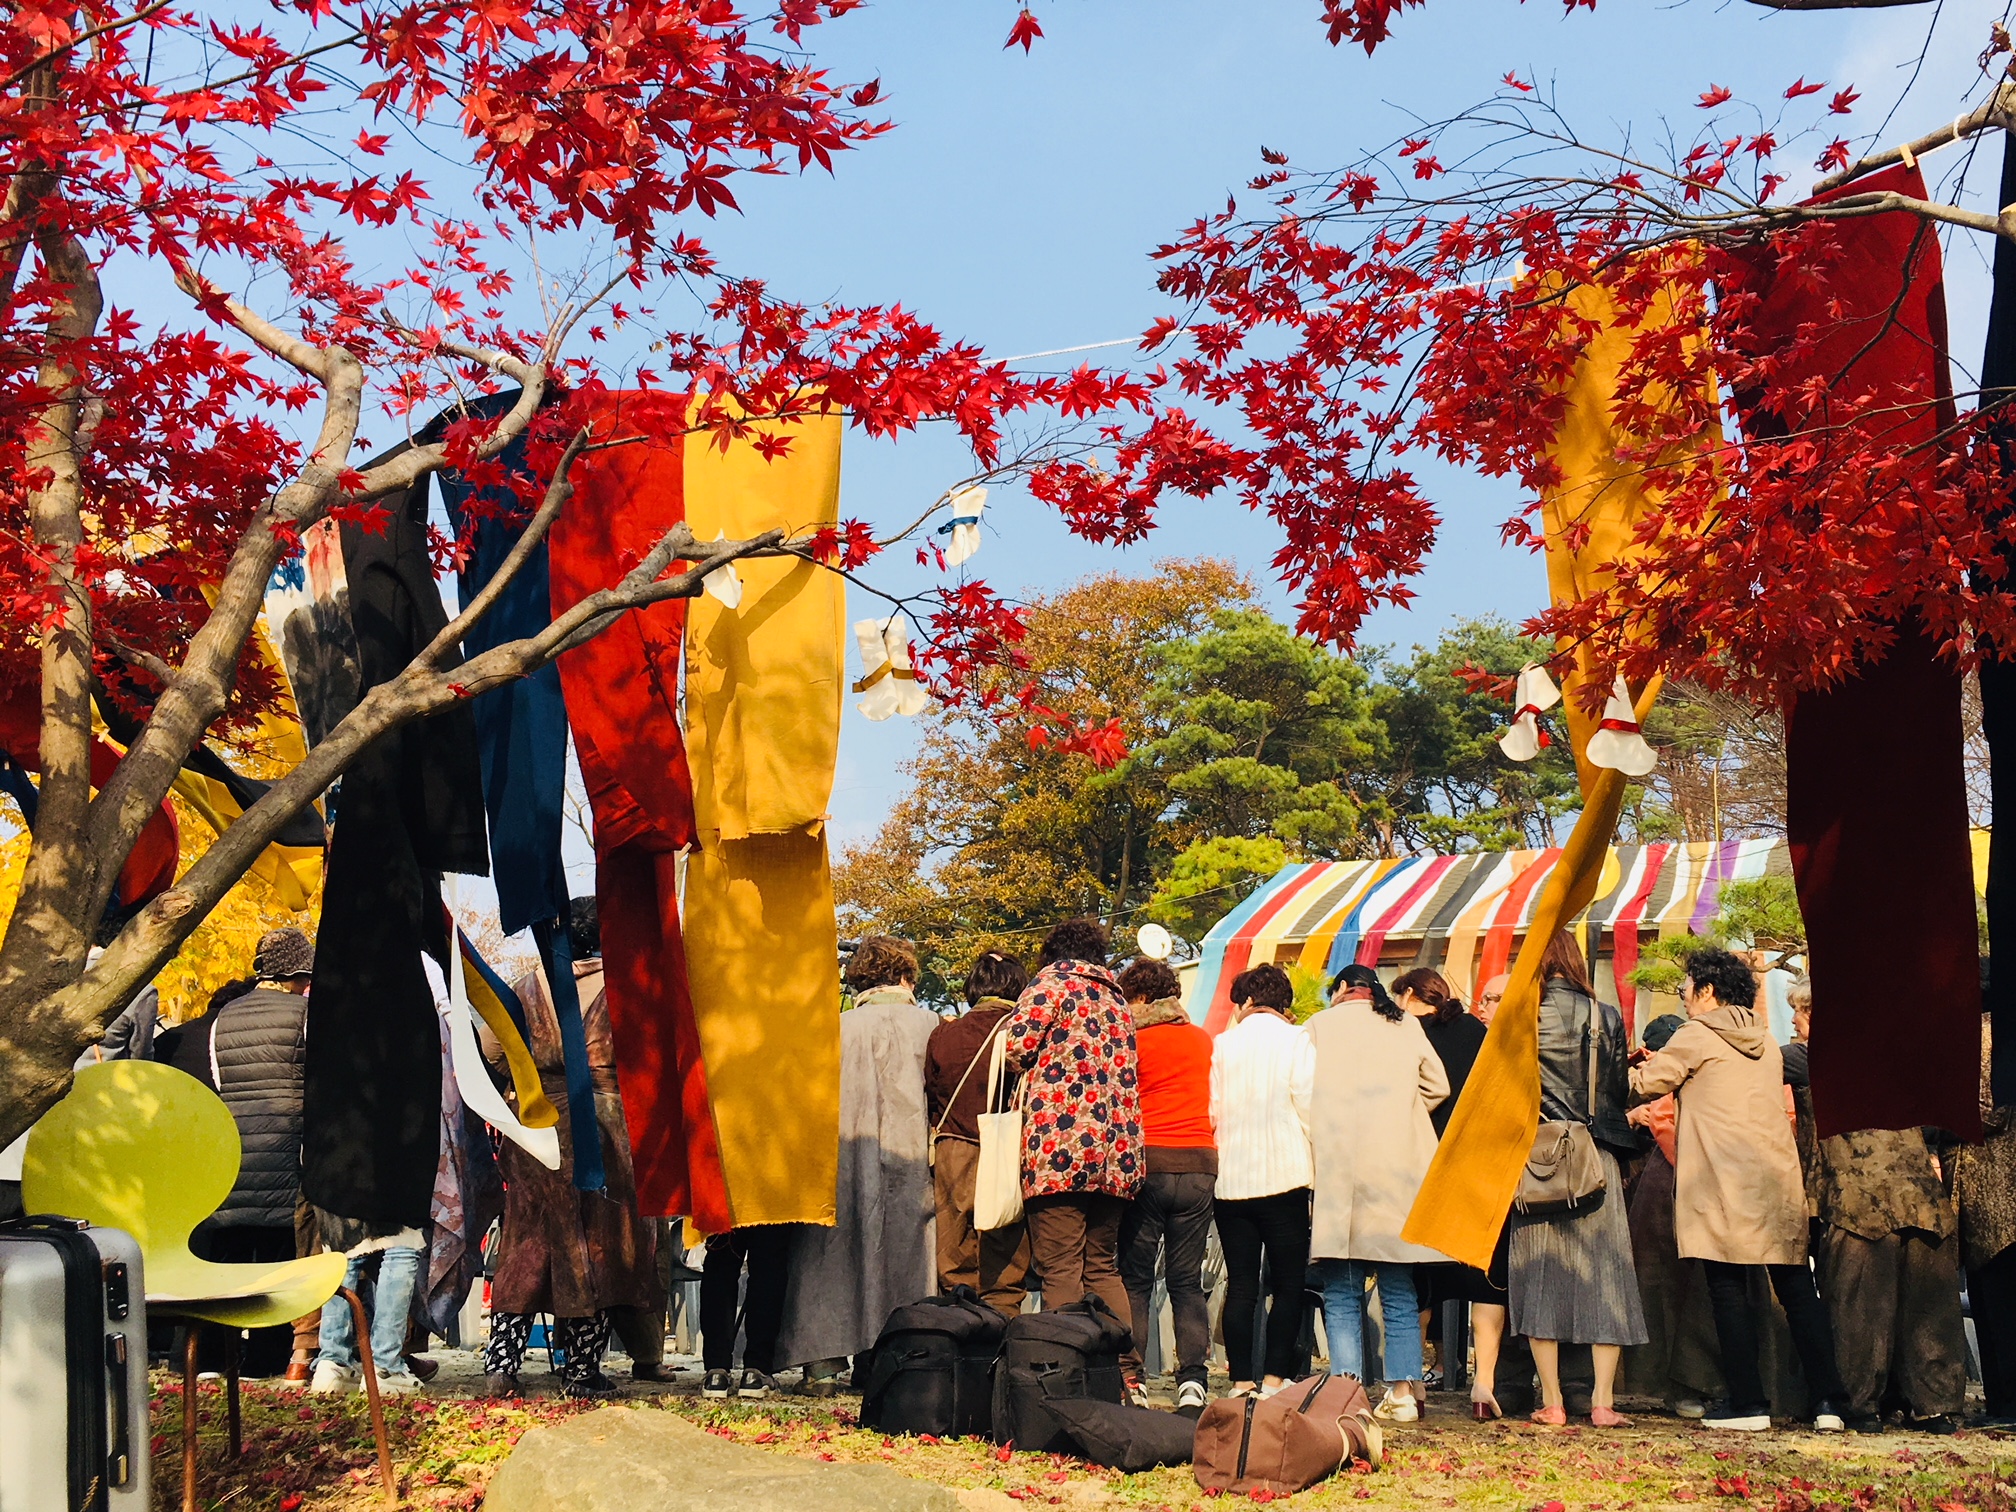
[1999, 109]
[41, 1047]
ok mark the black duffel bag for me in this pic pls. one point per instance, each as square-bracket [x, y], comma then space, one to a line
[1125, 1437]
[931, 1370]
[1071, 1352]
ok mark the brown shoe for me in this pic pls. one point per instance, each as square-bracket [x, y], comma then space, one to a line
[423, 1367]
[298, 1372]
[650, 1372]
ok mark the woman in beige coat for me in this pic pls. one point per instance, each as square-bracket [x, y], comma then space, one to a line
[1739, 1198]
[1376, 1079]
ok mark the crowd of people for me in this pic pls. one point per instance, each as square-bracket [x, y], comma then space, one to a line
[1728, 1260]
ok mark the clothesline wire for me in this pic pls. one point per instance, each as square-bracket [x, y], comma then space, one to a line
[1093, 346]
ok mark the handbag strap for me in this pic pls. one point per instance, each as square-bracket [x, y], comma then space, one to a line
[1589, 1054]
[999, 1025]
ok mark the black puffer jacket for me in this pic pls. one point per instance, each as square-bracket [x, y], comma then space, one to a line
[256, 1056]
[1565, 1019]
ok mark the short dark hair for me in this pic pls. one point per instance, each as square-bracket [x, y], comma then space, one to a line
[1729, 977]
[1662, 1029]
[995, 975]
[1266, 985]
[1146, 981]
[881, 961]
[1080, 939]
[584, 928]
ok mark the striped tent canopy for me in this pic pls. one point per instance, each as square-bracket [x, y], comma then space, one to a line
[1465, 915]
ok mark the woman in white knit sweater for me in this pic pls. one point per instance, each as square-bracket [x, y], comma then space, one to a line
[1263, 1069]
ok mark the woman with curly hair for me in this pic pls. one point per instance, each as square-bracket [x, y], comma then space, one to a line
[1082, 1160]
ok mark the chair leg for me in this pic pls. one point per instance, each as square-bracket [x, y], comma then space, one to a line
[190, 1331]
[232, 1363]
[385, 1475]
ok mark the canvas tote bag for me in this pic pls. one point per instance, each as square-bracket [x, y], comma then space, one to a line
[997, 1178]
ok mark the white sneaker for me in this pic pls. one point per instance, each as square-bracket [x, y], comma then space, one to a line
[1691, 1408]
[331, 1379]
[1191, 1397]
[1398, 1409]
[398, 1383]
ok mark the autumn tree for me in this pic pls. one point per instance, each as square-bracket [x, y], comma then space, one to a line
[1001, 835]
[158, 469]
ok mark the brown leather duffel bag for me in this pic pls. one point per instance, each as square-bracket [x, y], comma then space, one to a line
[1304, 1433]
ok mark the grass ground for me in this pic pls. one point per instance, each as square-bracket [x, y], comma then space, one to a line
[313, 1454]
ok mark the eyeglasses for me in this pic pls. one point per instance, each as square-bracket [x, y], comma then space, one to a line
[1491, 997]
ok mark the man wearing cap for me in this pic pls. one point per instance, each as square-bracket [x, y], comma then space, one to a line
[253, 1047]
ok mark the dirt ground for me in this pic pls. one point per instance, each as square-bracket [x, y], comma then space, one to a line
[313, 1454]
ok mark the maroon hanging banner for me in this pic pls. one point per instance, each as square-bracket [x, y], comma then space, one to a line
[1876, 810]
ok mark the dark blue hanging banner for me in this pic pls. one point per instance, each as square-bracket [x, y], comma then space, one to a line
[556, 954]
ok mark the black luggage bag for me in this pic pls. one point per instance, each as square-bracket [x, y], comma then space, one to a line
[1071, 1352]
[931, 1370]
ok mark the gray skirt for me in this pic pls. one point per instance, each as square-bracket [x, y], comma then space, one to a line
[1571, 1276]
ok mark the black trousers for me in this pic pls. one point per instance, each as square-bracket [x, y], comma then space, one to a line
[265, 1351]
[1736, 1331]
[1991, 1298]
[766, 1249]
[1279, 1226]
[1172, 1212]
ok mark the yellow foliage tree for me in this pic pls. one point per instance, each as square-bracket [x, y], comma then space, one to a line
[222, 946]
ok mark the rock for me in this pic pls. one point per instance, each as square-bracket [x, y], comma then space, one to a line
[618, 1459]
[982, 1500]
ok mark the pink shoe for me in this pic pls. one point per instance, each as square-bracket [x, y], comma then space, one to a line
[1607, 1417]
[1552, 1417]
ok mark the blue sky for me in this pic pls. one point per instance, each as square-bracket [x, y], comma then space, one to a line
[1017, 201]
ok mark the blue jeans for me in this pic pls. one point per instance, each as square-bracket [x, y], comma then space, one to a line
[388, 1303]
[1343, 1283]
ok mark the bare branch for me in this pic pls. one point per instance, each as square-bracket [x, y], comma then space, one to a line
[1999, 109]
[1817, 5]
[304, 355]
[558, 492]
[79, 40]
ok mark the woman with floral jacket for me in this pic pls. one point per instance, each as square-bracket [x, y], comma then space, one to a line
[1081, 1143]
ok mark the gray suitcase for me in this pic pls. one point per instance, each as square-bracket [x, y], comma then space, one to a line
[73, 1369]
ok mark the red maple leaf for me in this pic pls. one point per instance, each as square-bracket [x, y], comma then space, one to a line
[1025, 31]
[1715, 94]
[1803, 88]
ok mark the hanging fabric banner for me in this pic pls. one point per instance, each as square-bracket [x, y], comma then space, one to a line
[1591, 516]
[1875, 328]
[763, 687]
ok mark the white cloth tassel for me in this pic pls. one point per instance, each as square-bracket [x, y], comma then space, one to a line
[1618, 744]
[724, 583]
[878, 697]
[1534, 695]
[888, 684]
[964, 526]
[911, 699]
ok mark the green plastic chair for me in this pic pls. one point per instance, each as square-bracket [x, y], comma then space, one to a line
[151, 1150]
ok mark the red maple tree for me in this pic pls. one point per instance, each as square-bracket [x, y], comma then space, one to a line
[195, 350]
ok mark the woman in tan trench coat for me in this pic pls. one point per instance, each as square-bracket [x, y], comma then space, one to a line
[1377, 1078]
[1739, 1196]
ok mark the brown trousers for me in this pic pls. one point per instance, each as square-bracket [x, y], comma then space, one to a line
[994, 1263]
[307, 1241]
[1895, 1303]
[1075, 1241]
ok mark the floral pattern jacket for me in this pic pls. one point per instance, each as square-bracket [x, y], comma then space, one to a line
[1073, 1037]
